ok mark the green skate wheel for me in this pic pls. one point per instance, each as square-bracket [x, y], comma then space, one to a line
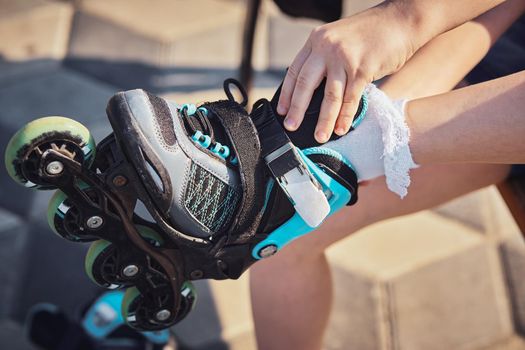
[102, 261]
[131, 299]
[65, 219]
[24, 150]
[150, 235]
[188, 300]
[101, 264]
[136, 314]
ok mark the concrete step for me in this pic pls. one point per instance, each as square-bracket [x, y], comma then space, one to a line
[483, 210]
[34, 36]
[418, 282]
[511, 343]
[165, 44]
[34, 29]
[513, 259]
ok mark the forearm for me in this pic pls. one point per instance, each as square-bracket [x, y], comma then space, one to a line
[442, 63]
[480, 123]
[429, 18]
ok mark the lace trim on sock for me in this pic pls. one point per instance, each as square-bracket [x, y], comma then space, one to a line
[397, 157]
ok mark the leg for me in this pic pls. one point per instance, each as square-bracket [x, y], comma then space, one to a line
[296, 282]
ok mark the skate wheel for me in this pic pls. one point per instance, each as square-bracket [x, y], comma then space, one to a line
[150, 235]
[24, 150]
[102, 261]
[188, 299]
[65, 219]
[136, 314]
[101, 264]
[131, 299]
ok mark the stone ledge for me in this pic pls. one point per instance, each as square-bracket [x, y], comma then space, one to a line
[34, 30]
[418, 282]
[513, 259]
[483, 210]
[201, 33]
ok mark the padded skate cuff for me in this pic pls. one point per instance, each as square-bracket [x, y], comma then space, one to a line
[252, 169]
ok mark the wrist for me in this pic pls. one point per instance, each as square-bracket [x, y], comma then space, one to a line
[410, 17]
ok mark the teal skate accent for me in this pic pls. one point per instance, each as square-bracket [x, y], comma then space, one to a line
[269, 189]
[329, 152]
[205, 142]
[190, 107]
[361, 115]
[295, 227]
[203, 110]
[105, 316]
[221, 150]
[201, 139]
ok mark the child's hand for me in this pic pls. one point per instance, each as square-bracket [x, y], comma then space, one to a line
[351, 53]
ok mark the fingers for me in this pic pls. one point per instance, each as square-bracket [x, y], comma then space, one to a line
[307, 81]
[341, 96]
[352, 96]
[291, 77]
[331, 105]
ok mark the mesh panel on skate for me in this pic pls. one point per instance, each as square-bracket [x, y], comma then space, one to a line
[211, 201]
[163, 116]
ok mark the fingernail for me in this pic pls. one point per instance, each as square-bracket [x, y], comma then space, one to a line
[340, 131]
[289, 124]
[281, 110]
[321, 136]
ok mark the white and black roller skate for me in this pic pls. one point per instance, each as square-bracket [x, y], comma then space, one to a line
[223, 189]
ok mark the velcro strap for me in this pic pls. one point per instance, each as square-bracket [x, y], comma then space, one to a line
[252, 169]
[303, 137]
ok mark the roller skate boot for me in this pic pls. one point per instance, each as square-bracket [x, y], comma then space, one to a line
[222, 189]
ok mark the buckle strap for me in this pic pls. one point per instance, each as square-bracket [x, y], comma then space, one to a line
[288, 168]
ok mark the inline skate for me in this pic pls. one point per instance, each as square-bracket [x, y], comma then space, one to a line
[222, 189]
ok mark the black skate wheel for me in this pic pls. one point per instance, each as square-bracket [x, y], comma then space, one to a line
[101, 264]
[24, 151]
[138, 314]
[65, 219]
[188, 300]
[102, 261]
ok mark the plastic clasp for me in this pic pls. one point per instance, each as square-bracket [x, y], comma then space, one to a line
[298, 183]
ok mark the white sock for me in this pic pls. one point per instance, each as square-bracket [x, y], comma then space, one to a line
[380, 144]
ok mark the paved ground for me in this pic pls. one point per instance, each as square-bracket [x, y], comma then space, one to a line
[449, 278]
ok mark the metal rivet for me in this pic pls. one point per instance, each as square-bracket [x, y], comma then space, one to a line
[268, 251]
[163, 315]
[130, 270]
[94, 222]
[55, 167]
[120, 180]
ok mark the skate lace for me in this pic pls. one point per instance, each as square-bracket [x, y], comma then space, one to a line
[197, 123]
